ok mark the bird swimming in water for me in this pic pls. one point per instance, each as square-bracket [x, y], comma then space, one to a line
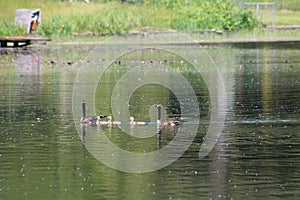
[168, 122]
[132, 122]
[92, 119]
[109, 122]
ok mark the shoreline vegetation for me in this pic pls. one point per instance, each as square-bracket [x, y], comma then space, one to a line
[99, 19]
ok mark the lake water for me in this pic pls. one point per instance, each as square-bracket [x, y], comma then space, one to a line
[44, 155]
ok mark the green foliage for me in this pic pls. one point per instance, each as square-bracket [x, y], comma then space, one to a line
[8, 28]
[168, 3]
[217, 15]
[106, 22]
[111, 17]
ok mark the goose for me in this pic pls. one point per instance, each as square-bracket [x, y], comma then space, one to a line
[92, 119]
[132, 122]
[169, 122]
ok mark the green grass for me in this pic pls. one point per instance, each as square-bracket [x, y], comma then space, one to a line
[61, 19]
[282, 4]
[283, 17]
[49, 7]
[114, 18]
[287, 17]
[104, 23]
[8, 28]
[79, 17]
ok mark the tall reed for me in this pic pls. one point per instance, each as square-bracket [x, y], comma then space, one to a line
[8, 28]
[102, 23]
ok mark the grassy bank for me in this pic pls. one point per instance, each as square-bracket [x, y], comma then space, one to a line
[62, 20]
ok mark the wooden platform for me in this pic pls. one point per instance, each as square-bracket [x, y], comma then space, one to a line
[15, 42]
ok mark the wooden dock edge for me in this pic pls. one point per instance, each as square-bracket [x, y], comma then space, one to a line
[16, 42]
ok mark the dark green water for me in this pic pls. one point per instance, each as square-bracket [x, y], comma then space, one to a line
[256, 157]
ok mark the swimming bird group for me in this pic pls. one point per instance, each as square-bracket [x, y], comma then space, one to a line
[92, 119]
[107, 120]
[99, 120]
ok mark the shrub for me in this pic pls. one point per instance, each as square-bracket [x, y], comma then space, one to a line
[218, 15]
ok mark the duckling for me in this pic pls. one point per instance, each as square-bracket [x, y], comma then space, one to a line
[132, 122]
[113, 122]
[169, 122]
[109, 122]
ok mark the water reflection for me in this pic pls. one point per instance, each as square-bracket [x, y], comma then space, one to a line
[269, 85]
[28, 65]
[256, 156]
